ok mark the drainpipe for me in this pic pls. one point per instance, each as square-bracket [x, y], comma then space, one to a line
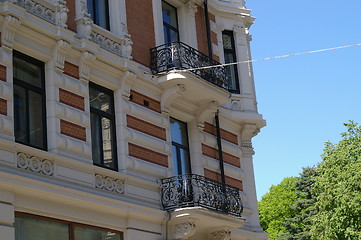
[220, 154]
[208, 30]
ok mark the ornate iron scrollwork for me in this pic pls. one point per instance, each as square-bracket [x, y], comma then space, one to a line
[178, 56]
[190, 190]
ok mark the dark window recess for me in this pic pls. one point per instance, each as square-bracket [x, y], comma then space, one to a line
[99, 12]
[146, 103]
[170, 23]
[229, 57]
[102, 119]
[30, 227]
[180, 147]
[29, 101]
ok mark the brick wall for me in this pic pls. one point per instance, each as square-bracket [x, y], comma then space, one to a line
[71, 99]
[148, 155]
[145, 101]
[71, 15]
[227, 158]
[71, 70]
[141, 28]
[226, 135]
[2, 73]
[3, 107]
[146, 127]
[229, 181]
[72, 130]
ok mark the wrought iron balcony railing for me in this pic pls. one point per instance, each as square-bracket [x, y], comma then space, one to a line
[179, 56]
[191, 190]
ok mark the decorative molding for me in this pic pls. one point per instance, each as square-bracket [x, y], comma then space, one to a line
[169, 96]
[10, 25]
[126, 83]
[185, 229]
[35, 164]
[220, 27]
[109, 183]
[236, 105]
[221, 234]
[37, 9]
[61, 14]
[60, 52]
[247, 133]
[86, 61]
[119, 46]
[204, 112]
[84, 22]
[192, 6]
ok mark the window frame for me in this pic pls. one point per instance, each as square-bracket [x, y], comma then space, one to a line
[39, 90]
[71, 224]
[234, 54]
[111, 117]
[179, 146]
[168, 26]
[95, 16]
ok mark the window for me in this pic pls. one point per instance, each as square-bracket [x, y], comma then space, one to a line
[229, 57]
[99, 12]
[180, 147]
[29, 101]
[31, 227]
[102, 126]
[170, 23]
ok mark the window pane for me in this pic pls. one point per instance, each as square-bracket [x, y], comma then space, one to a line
[185, 163]
[84, 233]
[179, 132]
[100, 100]
[177, 171]
[102, 13]
[36, 130]
[20, 120]
[90, 6]
[231, 71]
[96, 138]
[28, 72]
[169, 14]
[107, 142]
[227, 41]
[27, 228]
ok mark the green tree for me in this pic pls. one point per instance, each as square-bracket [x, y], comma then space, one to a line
[338, 189]
[275, 207]
[298, 227]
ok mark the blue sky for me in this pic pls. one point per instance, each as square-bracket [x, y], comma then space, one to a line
[304, 99]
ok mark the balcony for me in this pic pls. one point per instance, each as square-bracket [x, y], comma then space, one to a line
[191, 190]
[180, 56]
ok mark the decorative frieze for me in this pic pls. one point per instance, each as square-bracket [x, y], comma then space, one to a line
[35, 164]
[109, 183]
[37, 9]
[119, 46]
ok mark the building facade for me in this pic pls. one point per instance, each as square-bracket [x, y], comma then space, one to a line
[110, 127]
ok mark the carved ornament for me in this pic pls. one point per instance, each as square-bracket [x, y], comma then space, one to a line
[35, 164]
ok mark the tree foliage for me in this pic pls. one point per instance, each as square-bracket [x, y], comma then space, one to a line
[324, 202]
[298, 227]
[338, 189]
[274, 207]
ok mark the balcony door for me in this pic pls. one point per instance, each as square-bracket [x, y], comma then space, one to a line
[170, 23]
[180, 147]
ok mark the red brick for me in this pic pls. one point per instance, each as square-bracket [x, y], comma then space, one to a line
[141, 28]
[227, 158]
[229, 180]
[72, 130]
[226, 135]
[71, 70]
[146, 127]
[2, 72]
[214, 38]
[3, 107]
[139, 98]
[71, 15]
[148, 155]
[71, 99]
